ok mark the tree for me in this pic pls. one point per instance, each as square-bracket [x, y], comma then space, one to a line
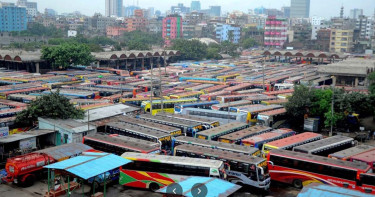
[299, 103]
[190, 49]
[141, 39]
[138, 45]
[371, 78]
[248, 43]
[53, 105]
[229, 48]
[67, 54]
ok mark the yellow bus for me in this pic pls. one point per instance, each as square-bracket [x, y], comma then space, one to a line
[136, 101]
[225, 77]
[168, 105]
[192, 94]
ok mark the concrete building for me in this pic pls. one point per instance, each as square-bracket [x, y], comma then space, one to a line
[69, 131]
[50, 12]
[194, 18]
[258, 20]
[355, 13]
[136, 23]
[341, 41]
[180, 9]
[300, 9]
[260, 10]
[115, 31]
[225, 32]
[195, 6]
[31, 8]
[317, 23]
[99, 23]
[113, 8]
[274, 12]
[323, 39]
[129, 11]
[155, 25]
[365, 25]
[275, 34]
[12, 17]
[172, 28]
[350, 72]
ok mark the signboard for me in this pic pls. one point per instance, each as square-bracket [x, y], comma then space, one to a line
[4, 132]
[28, 143]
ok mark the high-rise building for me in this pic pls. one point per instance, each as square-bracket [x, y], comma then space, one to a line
[341, 40]
[225, 32]
[286, 11]
[215, 10]
[300, 9]
[129, 11]
[260, 10]
[12, 17]
[172, 28]
[31, 8]
[275, 34]
[195, 6]
[179, 9]
[113, 8]
[50, 12]
[365, 25]
[355, 13]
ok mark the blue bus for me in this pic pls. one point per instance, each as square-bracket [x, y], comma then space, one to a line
[178, 108]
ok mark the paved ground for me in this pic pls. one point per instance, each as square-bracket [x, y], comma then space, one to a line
[277, 190]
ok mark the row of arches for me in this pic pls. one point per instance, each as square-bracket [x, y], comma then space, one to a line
[305, 54]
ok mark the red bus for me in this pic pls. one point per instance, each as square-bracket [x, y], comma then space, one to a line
[239, 87]
[301, 169]
[214, 89]
[366, 158]
[212, 96]
[258, 140]
[350, 152]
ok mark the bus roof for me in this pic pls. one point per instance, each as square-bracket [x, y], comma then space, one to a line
[295, 139]
[217, 144]
[148, 124]
[260, 108]
[368, 156]
[170, 100]
[188, 117]
[208, 111]
[274, 112]
[170, 120]
[232, 104]
[138, 129]
[269, 135]
[227, 155]
[319, 159]
[351, 151]
[246, 132]
[198, 103]
[322, 144]
[126, 142]
[220, 129]
[173, 159]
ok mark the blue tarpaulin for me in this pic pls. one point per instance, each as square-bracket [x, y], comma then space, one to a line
[215, 187]
[321, 190]
[89, 164]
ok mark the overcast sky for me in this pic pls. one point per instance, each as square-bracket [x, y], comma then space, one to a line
[324, 8]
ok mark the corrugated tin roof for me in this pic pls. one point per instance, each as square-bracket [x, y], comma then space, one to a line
[24, 135]
[65, 150]
[330, 191]
[215, 187]
[90, 164]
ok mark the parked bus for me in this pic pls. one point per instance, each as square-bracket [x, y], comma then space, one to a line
[290, 142]
[253, 111]
[240, 168]
[215, 145]
[275, 102]
[350, 152]
[367, 183]
[258, 140]
[168, 105]
[157, 171]
[221, 116]
[250, 91]
[207, 123]
[215, 133]
[214, 89]
[268, 118]
[367, 157]
[225, 106]
[236, 137]
[178, 108]
[213, 95]
[187, 127]
[173, 131]
[136, 101]
[119, 144]
[138, 132]
[192, 94]
[239, 87]
[231, 98]
[301, 169]
[199, 87]
[326, 146]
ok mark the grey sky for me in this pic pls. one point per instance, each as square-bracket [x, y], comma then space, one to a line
[325, 8]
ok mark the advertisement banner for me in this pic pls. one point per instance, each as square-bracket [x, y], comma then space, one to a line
[28, 143]
[4, 132]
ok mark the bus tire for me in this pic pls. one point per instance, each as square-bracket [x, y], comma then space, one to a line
[28, 181]
[153, 187]
[297, 183]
